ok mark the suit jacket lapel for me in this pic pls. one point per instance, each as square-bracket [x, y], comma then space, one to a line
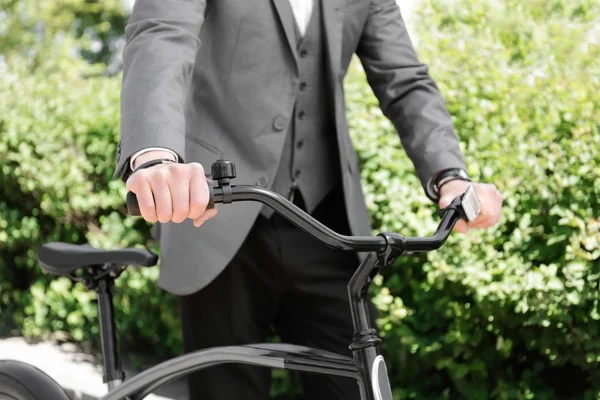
[286, 16]
[333, 16]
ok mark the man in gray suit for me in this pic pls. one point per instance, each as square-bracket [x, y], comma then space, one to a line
[260, 83]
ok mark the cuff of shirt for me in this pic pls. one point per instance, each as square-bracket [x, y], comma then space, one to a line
[139, 153]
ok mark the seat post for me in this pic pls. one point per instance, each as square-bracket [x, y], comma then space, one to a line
[113, 375]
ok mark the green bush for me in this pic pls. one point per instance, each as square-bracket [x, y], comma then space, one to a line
[509, 313]
[30, 29]
[58, 135]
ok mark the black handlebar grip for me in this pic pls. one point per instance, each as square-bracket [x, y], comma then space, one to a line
[133, 208]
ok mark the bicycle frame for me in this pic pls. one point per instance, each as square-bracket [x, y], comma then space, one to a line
[367, 366]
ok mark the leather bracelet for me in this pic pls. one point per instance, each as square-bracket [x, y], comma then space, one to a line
[149, 164]
[435, 183]
[442, 182]
[154, 162]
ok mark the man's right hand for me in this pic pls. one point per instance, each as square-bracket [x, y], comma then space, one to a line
[172, 192]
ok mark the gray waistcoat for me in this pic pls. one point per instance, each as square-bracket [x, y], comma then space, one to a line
[310, 161]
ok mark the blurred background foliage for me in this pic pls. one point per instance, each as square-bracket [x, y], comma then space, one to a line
[509, 313]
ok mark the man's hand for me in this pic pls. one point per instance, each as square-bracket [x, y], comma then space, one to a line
[172, 192]
[489, 197]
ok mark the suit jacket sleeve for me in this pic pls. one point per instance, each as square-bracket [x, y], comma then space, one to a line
[408, 96]
[162, 41]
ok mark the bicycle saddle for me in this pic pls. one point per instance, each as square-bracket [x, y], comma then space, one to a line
[60, 258]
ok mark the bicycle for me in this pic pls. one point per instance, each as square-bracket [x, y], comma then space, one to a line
[367, 366]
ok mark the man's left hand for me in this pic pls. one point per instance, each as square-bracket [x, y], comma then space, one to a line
[489, 197]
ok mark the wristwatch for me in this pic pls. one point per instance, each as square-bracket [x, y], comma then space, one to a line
[436, 182]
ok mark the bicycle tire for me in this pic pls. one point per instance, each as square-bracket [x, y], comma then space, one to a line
[22, 381]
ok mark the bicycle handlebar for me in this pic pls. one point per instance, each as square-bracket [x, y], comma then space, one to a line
[461, 207]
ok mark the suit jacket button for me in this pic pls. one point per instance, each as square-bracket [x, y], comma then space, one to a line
[262, 181]
[279, 123]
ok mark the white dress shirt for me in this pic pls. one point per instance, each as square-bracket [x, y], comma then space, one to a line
[302, 10]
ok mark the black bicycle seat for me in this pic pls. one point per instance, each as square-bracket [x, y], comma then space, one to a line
[60, 258]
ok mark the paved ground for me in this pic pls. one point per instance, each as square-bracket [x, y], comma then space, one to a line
[78, 372]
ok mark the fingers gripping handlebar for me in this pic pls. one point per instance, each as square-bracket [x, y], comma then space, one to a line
[133, 207]
[466, 206]
[222, 170]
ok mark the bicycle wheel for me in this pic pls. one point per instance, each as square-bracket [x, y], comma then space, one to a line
[21, 381]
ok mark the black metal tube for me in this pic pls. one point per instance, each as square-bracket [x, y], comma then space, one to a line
[108, 334]
[365, 343]
[366, 357]
[267, 355]
[416, 244]
[357, 292]
[319, 231]
[295, 215]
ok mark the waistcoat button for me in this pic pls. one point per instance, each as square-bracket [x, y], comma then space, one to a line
[279, 123]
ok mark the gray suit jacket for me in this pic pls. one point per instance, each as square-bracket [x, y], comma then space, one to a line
[216, 79]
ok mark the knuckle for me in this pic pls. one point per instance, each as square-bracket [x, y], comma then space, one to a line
[200, 197]
[172, 169]
[164, 173]
[178, 171]
[131, 183]
[137, 180]
[146, 204]
[196, 167]
[198, 206]
[159, 175]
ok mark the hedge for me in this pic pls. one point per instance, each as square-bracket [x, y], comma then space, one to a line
[507, 313]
